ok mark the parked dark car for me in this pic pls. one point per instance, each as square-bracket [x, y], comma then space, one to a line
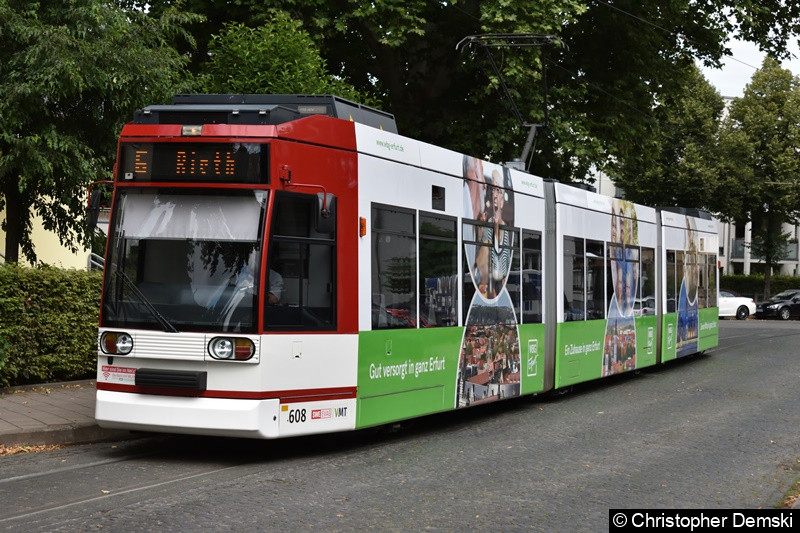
[783, 305]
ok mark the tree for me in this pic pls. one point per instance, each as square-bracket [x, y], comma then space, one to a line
[760, 144]
[276, 57]
[71, 73]
[678, 161]
[632, 57]
[618, 60]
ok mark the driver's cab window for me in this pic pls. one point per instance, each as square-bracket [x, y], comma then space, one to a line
[300, 289]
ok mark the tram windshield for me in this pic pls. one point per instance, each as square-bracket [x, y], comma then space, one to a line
[185, 260]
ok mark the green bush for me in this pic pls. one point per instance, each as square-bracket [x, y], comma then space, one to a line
[48, 324]
[752, 285]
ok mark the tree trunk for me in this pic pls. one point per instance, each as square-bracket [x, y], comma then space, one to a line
[767, 276]
[13, 221]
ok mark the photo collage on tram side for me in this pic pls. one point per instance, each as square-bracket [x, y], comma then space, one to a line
[687, 341]
[489, 363]
[619, 352]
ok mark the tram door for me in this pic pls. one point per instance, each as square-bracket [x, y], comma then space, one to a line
[301, 262]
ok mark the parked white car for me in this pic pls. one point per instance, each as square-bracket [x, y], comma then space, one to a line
[731, 304]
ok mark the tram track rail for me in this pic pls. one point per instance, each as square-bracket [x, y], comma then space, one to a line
[43, 492]
[6, 521]
[41, 489]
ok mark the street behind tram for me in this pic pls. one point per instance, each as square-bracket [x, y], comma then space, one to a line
[713, 431]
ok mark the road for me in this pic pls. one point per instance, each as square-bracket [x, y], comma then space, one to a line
[714, 431]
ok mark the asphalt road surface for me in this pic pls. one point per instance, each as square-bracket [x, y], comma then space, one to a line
[715, 431]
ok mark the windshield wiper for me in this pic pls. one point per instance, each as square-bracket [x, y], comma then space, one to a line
[117, 268]
[161, 319]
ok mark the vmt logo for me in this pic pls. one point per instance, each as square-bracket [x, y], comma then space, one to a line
[336, 412]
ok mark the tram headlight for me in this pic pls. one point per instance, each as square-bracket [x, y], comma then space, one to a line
[116, 343]
[231, 348]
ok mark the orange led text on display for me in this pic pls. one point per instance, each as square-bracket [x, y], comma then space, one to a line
[189, 163]
[140, 165]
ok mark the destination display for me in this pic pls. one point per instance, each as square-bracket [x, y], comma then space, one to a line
[205, 162]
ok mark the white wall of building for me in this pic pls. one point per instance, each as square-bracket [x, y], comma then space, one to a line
[49, 249]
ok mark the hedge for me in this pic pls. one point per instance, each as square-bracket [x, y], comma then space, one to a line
[753, 284]
[48, 324]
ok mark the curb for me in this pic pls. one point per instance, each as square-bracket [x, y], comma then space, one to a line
[65, 435]
[42, 386]
[79, 432]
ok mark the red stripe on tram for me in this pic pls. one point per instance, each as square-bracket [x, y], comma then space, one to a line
[285, 396]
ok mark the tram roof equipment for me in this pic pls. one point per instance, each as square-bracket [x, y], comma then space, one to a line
[688, 211]
[262, 109]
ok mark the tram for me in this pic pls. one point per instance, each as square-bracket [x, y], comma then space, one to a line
[283, 265]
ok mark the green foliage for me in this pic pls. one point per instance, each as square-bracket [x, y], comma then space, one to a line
[677, 165]
[71, 73]
[773, 244]
[762, 138]
[753, 284]
[760, 147]
[744, 168]
[48, 324]
[619, 60]
[278, 57]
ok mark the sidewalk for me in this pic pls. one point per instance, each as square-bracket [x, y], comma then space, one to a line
[53, 413]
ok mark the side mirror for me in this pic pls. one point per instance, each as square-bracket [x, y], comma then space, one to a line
[325, 217]
[93, 212]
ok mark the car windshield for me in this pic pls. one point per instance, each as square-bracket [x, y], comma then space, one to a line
[785, 295]
[184, 260]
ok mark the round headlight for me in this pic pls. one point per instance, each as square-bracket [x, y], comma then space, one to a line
[221, 348]
[114, 343]
[124, 344]
[231, 348]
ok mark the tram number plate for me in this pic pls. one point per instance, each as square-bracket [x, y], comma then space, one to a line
[297, 416]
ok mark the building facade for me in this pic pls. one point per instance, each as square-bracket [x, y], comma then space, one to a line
[736, 257]
[49, 249]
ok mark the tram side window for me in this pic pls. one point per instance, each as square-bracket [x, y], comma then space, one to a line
[574, 269]
[595, 280]
[614, 262]
[671, 281]
[702, 280]
[632, 303]
[647, 282]
[514, 281]
[679, 273]
[468, 267]
[531, 277]
[712, 280]
[680, 269]
[475, 250]
[623, 280]
[438, 271]
[301, 277]
[491, 263]
[394, 268]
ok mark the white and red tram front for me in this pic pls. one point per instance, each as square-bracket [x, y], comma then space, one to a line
[229, 303]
